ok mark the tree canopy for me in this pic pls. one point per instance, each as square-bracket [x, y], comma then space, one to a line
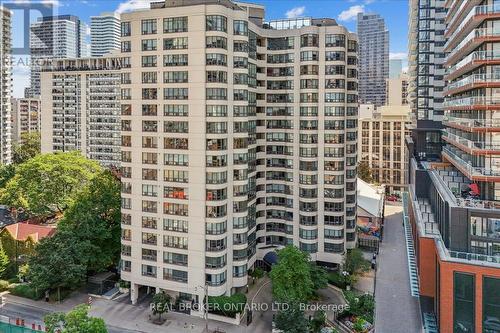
[291, 276]
[292, 320]
[28, 148]
[364, 171]
[75, 321]
[48, 183]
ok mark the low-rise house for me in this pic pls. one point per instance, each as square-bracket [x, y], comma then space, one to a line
[19, 239]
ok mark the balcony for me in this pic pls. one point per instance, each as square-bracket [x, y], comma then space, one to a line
[472, 125]
[472, 82]
[470, 171]
[477, 15]
[472, 61]
[475, 38]
[471, 147]
[473, 103]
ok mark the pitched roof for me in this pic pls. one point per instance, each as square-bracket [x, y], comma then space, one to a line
[22, 231]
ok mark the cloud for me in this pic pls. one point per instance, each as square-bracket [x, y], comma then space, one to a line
[131, 5]
[398, 55]
[295, 12]
[367, 2]
[351, 13]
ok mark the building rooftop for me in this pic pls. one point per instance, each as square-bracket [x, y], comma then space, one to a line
[22, 231]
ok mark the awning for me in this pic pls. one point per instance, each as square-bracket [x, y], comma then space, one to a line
[271, 258]
[474, 188]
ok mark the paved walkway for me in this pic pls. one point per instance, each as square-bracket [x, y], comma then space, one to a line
[396, 310]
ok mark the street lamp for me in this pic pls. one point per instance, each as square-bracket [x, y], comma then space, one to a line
[205, 310]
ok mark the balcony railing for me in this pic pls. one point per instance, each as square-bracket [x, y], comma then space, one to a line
[470, 101]
[476, 33]
[472, 170]
[477, 10]
[475, 78]
[473, 145]
[471, 123]
[477, 55]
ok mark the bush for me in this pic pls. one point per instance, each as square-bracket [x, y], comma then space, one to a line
[257, 273]
[26, 291]
[227, 306]
[337, 280]
[4, 285]
[360, 305]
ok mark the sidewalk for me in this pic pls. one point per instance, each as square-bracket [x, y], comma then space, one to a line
[129, 317]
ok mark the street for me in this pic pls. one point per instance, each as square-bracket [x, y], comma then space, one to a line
[396, 310]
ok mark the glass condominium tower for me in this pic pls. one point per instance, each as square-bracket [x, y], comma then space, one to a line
[241, 139]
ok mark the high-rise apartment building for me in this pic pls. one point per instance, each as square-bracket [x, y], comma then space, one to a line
[104, 34]
[52, 37]
[238, 139]
[81, 108]
[5, 86]
[454, 204]
[25, 117]
[397, 90]
[373, 58]
[426, 75]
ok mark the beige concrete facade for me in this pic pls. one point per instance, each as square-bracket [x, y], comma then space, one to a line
[382, 145]
[25, 117]
[397, 90]
[5, 86]
[81, 108]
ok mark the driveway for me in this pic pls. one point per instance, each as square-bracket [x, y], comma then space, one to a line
[396, 310]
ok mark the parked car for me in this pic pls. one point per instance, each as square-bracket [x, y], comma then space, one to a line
[392, 198]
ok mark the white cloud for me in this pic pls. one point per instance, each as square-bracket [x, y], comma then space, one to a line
[48, 3]
[351, 13]
[398, 55]
[367, 2]
[295, 12]
[131, 5]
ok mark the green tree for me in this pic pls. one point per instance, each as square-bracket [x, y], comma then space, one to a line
[48, 183]
[291, 276]
[160, 304]
[28, 148]
[364, 171]
[56, 264]
[75, 321]
[291, 319]
[4, 260]
[355, 262]
[94, 222]
[7, 172]
[319, 276]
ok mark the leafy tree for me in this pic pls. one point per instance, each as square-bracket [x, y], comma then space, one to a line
[56, 264]
[48, 183]
[227, 306]
[291, 320]
[355, 262]
[364, 171]
[318, 321]
[360, 306]
[160, 303]
[4, 260]
[75, 321]
[319, 276]
[29, 147]
[291, 276]
[94, 221]
[7, 171]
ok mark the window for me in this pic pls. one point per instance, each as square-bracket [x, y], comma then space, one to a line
[126, 29]
[175, 258]
[149, 44]
[175, 24]
[149, 93]
[175, 242]
[126, 46]
[175, 127]
[240, 28]
[334, 55]
[240, 62]
[216, 94]
[176, 176]
[309, 40]
[216, 110]
[175, 93]
[175, 110]
[175, 77]
[309, 56]
[176, 159]
[335, 40]
[149, 109]
[491, 303]
[216, 42]
[283, 43]
[334, 69]
[175, 225]
[177, 43]
[217, 76]
[175, 60]
[216, 59]
[148, 27]
[331, 97]
[149, 77]
[463, 302]
[149, 61]
[216, 23]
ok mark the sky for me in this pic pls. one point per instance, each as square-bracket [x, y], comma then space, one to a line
[395, 13]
